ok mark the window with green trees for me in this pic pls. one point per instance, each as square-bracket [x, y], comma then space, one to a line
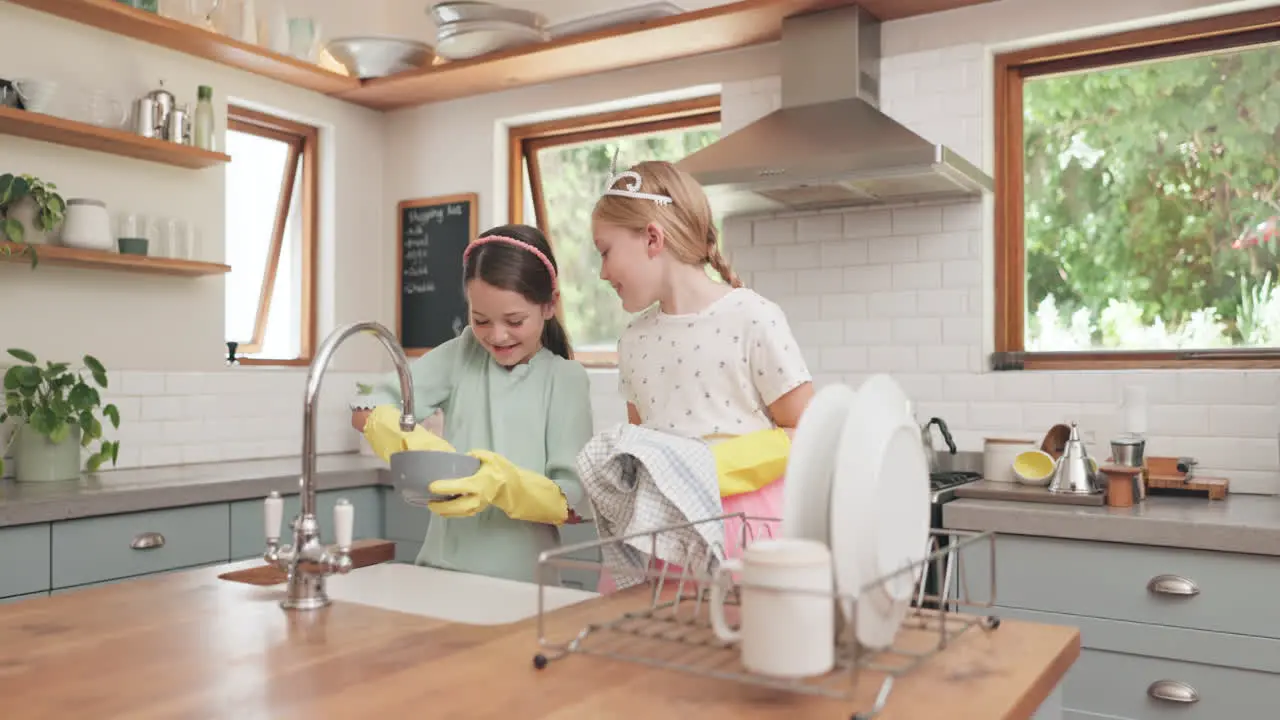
[1139, 194]
[564, 166]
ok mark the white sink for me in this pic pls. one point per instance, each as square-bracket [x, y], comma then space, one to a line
[447, 595]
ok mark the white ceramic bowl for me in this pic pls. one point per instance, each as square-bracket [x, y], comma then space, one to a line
[455, 12]
[466, 40]
[371, 57]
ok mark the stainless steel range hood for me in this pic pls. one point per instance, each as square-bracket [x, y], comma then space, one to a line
[829, 145]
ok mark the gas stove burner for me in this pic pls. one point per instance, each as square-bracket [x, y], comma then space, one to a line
[943, 484]
[944, 480]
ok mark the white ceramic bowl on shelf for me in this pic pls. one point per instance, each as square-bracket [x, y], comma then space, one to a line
[466, 40]
[372, 57]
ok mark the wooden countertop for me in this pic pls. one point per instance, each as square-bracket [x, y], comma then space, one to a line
[188, 645]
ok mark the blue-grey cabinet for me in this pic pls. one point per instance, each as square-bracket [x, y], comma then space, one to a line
[91, 550]
[1165, 632]
[24, 559]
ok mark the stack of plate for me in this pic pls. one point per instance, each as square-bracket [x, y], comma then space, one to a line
[858, 480]
[466, 30]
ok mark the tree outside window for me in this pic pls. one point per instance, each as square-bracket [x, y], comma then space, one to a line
[1146, 217]
[270, 230]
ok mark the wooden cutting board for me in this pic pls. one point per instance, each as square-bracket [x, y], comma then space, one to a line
[363, 554]
[993, 490]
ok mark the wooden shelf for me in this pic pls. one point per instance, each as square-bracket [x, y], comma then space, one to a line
[47, 128]
[726, 27]
[148, 27]
[97, 259]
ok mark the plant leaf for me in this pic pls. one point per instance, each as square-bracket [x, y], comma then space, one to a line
[22, 355]
[94, 462]
[60, 432]
[83, 397]
[113, 414]
[95, 367]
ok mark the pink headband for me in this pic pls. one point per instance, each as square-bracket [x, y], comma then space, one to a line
[551, 269]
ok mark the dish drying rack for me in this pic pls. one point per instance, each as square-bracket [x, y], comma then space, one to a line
[675, 621]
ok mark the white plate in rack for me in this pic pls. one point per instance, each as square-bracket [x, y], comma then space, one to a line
[879, 509]
[806, 494]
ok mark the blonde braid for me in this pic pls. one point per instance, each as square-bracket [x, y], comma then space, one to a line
[718, 261]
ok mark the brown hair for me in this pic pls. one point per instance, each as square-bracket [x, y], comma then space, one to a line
[508, 267]
[687, 221]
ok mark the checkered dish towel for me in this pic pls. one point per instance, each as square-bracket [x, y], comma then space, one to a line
[639, 480]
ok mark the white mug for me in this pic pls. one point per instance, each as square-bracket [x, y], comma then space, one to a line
[787, 617]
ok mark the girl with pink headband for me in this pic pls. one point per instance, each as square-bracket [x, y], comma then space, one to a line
[513, 396]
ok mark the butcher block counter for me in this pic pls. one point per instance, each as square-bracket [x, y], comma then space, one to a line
[191, 645]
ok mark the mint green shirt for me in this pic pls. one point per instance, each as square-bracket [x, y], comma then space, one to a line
[537, 415]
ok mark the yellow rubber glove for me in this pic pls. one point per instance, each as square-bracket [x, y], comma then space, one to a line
[749, 462]
[521, 494]
[383, 432]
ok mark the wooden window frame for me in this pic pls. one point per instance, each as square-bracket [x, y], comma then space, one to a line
[303, 141]
[1209, 35]
[525, 141]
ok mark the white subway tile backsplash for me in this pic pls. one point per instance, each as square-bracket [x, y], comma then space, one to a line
[779, 231]
[917, 276]
[826, 280]
[944, 246]
[962, 274]
[844, 306]
[891, 250]
[843, 253]
[868, 224]
[917, 331]
[810, 228]
[867, 279]
[800, 256]
[917, 220]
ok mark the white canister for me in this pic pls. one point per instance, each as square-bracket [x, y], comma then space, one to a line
[87, 225]
[998, 455]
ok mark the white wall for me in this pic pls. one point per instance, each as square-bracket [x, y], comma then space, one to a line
[903, 290]
[162, 337]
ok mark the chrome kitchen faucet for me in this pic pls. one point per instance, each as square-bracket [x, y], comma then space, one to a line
[307, 561]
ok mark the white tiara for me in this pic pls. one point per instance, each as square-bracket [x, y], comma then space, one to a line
[633, 188]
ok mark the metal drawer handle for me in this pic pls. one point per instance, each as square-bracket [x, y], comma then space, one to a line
[1173, 691]
[1172, 585]
[147, 541]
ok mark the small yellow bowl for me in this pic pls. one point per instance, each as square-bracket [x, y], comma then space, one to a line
[1033, 467]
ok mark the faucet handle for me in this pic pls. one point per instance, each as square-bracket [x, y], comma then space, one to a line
[343, 523]
[273, 514]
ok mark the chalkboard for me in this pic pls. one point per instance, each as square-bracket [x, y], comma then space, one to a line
[431, 305]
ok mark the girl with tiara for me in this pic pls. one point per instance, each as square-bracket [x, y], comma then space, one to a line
[511, 394]
[702, 359]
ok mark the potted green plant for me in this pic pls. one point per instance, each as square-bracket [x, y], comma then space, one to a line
[58, 411]
[30, 209]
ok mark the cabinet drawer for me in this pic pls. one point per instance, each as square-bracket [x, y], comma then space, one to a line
[248, 536]
[1229, 592]
[103, 548]
[24, 559]
[1122, 685]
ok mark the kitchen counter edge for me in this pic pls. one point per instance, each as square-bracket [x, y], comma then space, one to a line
[1241, 523]
[141, 489]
